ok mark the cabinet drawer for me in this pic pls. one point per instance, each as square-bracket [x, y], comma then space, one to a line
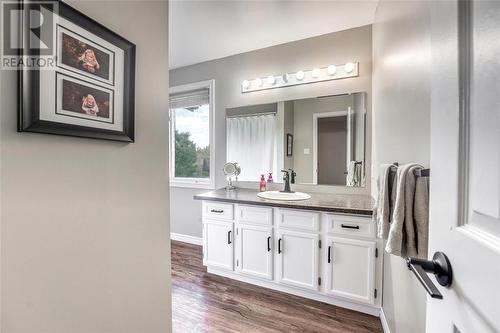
[350, 225]
[254, 215]
[217, 210]
[299, 220]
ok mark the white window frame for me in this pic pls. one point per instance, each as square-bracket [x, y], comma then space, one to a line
[193, 182]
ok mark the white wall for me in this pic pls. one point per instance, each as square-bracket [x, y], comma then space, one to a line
[335, 48]
[401, 131]
[85, 223]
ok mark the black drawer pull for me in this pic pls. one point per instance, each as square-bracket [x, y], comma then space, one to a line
[229, 237]
[217, 211]
[346, 226]
[268, 243]
[329, 254]
[279, 246]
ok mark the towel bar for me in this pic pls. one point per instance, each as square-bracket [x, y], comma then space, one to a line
[418, 173]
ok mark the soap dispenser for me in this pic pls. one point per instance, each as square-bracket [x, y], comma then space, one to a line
[270, 177]
[262, 187]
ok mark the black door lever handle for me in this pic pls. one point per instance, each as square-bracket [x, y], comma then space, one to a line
[441, 268]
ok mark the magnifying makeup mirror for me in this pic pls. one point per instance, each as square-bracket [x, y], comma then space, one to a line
[230, 170]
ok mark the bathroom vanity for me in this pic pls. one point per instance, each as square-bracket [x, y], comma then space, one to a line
[323, 248]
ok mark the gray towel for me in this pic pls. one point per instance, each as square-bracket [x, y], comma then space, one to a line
[409, 222]
[421, 215]
[383, 207]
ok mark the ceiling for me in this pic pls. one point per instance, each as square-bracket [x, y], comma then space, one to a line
[212, 29]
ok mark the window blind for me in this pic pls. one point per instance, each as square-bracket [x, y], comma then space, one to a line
[189, 99]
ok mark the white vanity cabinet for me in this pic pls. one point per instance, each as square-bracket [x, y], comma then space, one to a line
[254, 254]
[254, 241]
[297, 253]
[324, 256]
[351, 268]
[218, 244]
[218, 235]
[297, 248]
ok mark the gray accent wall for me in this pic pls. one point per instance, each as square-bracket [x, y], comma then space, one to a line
[335, 48]
[85, 223]
[401, 131]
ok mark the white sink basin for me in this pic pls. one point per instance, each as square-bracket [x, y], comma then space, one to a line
[277, 195]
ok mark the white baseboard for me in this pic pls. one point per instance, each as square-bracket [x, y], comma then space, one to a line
[186, 238]
[385, 324]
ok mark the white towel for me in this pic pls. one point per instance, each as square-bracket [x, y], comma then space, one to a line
[409, 222]
[383, 206]
[354, 174]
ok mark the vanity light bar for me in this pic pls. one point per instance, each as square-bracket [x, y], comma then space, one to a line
[332, 72]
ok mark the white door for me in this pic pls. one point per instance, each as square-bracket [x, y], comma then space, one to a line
[297, 258]
[351, 269]
[254, 250]
[465, 164]
[218, 244]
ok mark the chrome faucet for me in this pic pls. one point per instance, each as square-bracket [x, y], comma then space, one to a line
[288, 177]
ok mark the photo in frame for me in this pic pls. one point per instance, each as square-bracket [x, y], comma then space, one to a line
[90, 90]
[76, 98]
[81, 56]
[289, 144]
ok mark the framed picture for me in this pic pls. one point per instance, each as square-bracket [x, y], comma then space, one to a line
[89, 91]
[289, 144]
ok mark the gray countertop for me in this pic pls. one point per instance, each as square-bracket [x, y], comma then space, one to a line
[326, 202]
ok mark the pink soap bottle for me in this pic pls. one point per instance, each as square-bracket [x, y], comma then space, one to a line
[270, 177]
[262, 187]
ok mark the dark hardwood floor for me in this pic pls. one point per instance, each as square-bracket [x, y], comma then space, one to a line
[203, 302]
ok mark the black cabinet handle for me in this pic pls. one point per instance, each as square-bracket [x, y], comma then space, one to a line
[229, 237]
[329, 254]
[441, 268]
[217, 211]
[279, 246]
[346, 226]
[268, 243]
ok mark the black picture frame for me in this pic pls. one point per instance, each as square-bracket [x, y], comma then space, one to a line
[289, 144]
[29, 87]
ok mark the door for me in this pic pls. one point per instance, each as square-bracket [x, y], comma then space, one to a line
[465, 164]
[254, 251]
[298, 258]
[330, 142]
[218, 244]
[351, 269]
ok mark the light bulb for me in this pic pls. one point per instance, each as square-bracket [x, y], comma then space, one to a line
[316, 72]
[271, 80]
[258, 82]
[300, 75]
[245, 84]
[349, 67]
[332, 69]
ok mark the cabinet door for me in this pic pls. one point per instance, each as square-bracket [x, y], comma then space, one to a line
[254, 250]
[218, 244]
[351, 269]
[297, 258]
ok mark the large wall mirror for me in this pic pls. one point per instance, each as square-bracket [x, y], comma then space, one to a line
[322, 139]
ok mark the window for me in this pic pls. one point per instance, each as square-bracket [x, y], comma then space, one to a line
[191, 135]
